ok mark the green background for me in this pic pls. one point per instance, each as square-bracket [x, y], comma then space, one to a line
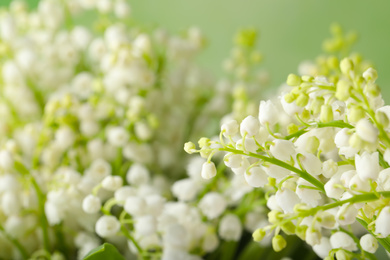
[291, 30]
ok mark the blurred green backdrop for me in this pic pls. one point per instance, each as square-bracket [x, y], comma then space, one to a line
[291, 30]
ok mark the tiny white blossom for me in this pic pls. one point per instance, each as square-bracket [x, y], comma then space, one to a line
[342, 240]
[367, 131]
[230, 228]
[107, 226]
[369, 243]
[112, 183]
[208, 170]
[367, 165]
[268, 113]
[382, 223]
[230, 128]
[256, 177]
[282, 149]
[250, 126]
[91, 204]
[212, 205]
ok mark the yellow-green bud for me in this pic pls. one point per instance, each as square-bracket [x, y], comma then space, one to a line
[332, 62]
[343, 90]
[336, 29]
[204, 141]
[312, 144]
[205, 152]
[307, 79]
[305, 115]
[189, 147]
[342, 255]
[259, 234]
[355, 113]
[346, 65]
[292, 128]
[302, 100]
[274, 216]
[382, 118]
[293, 80]
[256, 57]
[372, 90]
[370, 75]
[239, 92]
[290, 97]
[317, 104]
[301, 231]
[288, 228]
[356, 142]
[326, 114]
[246, 38]
[278, 243]
[300, 207]
[271, 181]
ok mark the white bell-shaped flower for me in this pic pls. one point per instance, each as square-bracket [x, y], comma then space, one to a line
[367, 165]
[342, 240]
[382, 223]
[91, 204]
[107, 226]
[230, 228]
[256, 177]
[369, 243]
[208, 170]
[287, 199]
[212, 205]
[268, 113]
[250, 126]
[282, 149]
[367, 131]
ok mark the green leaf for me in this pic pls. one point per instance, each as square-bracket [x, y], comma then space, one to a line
[104, 252]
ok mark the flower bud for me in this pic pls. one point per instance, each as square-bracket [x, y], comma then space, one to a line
[259, 234]
[346, 65]
[355, 113]
[326, 114]
[369, 243]
[189, 147]
[107, 226]
[208, 170]
[343, 90]
[230, 128]
[250, 126]
[278, 243]
[91, 204]
[343, 241]
[293, 80]
[382, 223]
[370, 75]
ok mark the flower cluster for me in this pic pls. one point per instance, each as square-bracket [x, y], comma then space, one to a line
[93, 123]
[321, 152]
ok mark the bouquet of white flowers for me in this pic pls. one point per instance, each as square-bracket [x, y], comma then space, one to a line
[93, 121]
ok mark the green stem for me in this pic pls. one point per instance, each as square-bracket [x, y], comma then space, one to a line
[42, 218]
[15, 242]
[302, 174]
[131, 238]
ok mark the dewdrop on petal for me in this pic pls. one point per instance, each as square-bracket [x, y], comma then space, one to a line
[366, 131]
[230, 228]
[342, 240]
[208, 170]
[107, 226]
[91, 204]
[112, 183]
[369, 243]
[250, 126]
[382, 223]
